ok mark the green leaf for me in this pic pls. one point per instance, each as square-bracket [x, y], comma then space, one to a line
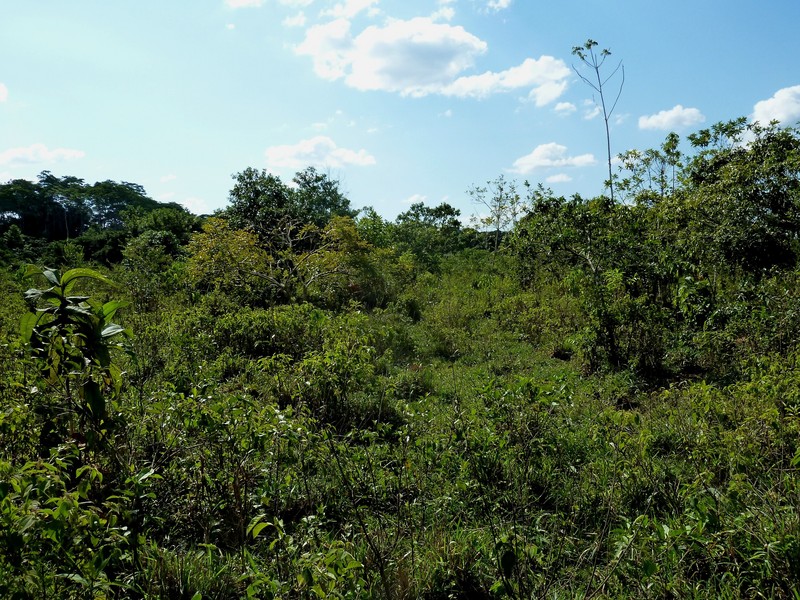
[110, 308]
[94, 399]
[51, 275]
[258, 528]
[111, 330]
[27, 324]
[649, 568]
[69, 278]
[76, 578]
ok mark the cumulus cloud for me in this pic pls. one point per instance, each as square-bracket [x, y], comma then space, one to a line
[415, 57]
[317, 151]
[296, 3]
[38, 153]
[349, 8]
[198, 206]
[550, 155]
[421, 56]
[565, 108]
[3, 93]
[558, 178]
[783, 106]
[677, 117]
[298, 20]
[445, 13]
[330, 46]
[591, 110]
[243, 3]
[547, 78]
[497, 5]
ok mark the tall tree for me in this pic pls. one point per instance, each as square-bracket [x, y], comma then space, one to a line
[501, 199]
[262, 203]
[594, 61]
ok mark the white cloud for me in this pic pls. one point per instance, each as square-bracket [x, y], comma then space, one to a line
[446, 13]
[230, 26]
[547, 78]
[298, 20]
[317, 151]
[38, 153]
[243, 3]
[349, 9]
[784, 107]
[677, 117]
[296, 3]
[559, 178]
[565, 108]
[330, 47]
[166, 178]
[165, 197]
[550, 155]
[421, 56]
[415, 199]
[415, 57]
[198, 206]
[3, 93]
[497, 5]
[448, 113]
[591, 110]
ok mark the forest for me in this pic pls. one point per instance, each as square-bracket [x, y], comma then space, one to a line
[293, 398]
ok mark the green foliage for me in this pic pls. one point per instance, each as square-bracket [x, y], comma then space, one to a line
[71, 337]
[605, 406]
[260, 202]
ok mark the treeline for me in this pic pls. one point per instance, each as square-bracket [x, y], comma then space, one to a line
[694, 269]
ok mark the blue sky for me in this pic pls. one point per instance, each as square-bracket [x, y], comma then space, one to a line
[401, 100]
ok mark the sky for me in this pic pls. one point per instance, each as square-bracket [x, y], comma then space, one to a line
[401, 101]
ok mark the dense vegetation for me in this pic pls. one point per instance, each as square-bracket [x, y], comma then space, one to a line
[293, 399]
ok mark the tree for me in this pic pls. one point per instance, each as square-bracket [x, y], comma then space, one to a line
[651, 175]
[52, 208]
[429, 233]
[594, 61]
[501, 199]
[743, 195]
[226, 259]
[109, 200]
[262, 203]
[318, 197]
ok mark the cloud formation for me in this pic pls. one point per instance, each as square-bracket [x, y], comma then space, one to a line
[547, 78]
[677, 117]
[497, 5]
[550, 155]
[783, 106]
[349, 8]
[38, 153]
[298, 20]
[318, 151]
[558, 178]
[243, 3]
[3, 93]
[565, 108]
[421, 56]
